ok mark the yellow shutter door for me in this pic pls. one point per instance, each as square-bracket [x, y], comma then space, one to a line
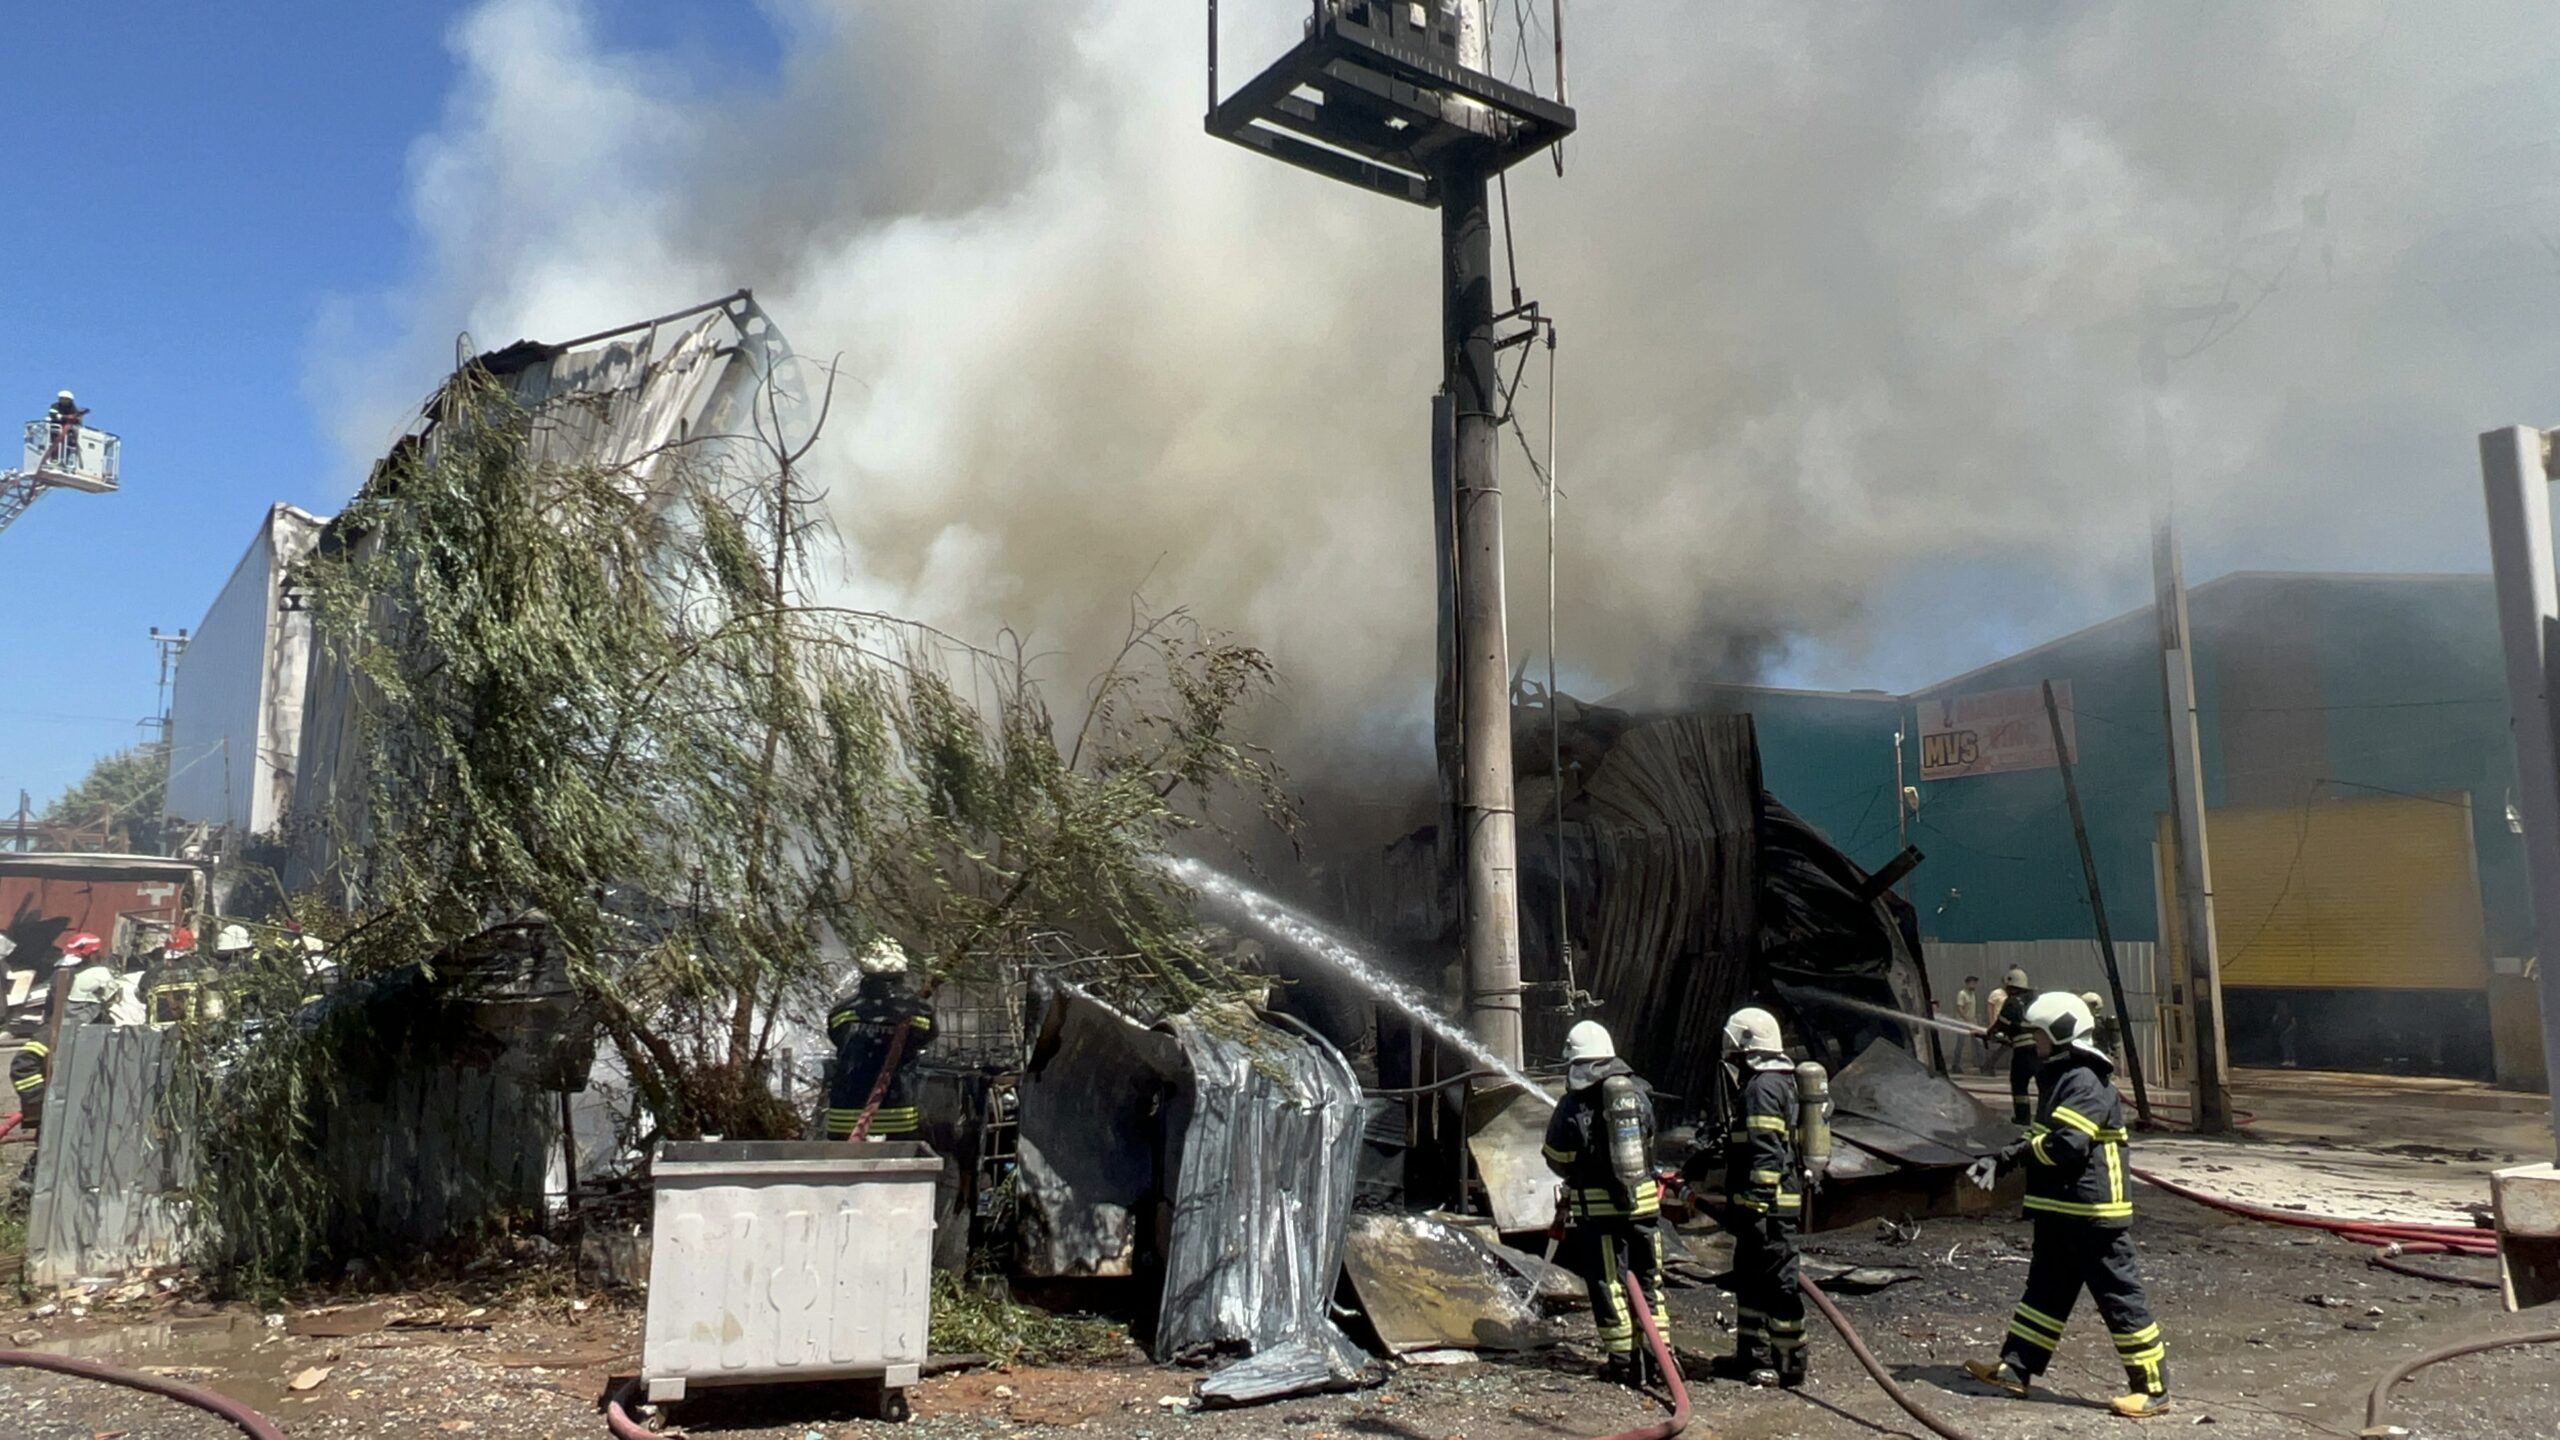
[2379, 893]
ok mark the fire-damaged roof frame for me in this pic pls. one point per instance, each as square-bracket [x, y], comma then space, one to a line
[1357, 101]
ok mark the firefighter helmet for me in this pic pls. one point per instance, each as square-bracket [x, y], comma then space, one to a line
[1589, 1041]
[1753, 1031]
[2064, 1019]
[2016, 979]
[885, 957]
[81, 946]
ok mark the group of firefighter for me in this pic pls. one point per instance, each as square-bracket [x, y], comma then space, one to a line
[2072, 1148]
[1776, 1146]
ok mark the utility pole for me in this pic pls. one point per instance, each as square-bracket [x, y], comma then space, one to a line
[2098, 908]
[1486, 819]
[2202, 982]
[1405, 104]
[2515, 469]
[171, 647]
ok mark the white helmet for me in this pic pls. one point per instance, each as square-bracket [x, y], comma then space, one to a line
[65, 395]
[2016, 979]
[1588, 1040]
[884, 957]
[232, 940]
[2064, 1019]
[1753, 1031]
[2096, 1005]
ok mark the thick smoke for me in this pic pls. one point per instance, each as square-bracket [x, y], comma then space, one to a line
[1848, 387]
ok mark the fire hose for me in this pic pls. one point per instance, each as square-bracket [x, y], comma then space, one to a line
[2377, 1404]
[619, 1420]
[250, 1422]
[2390, 1239]
[1678, 1419]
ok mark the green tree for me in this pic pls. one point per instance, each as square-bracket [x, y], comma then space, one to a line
[117, 805]
[604, 694]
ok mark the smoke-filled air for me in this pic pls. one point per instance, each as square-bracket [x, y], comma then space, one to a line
[1848, 389]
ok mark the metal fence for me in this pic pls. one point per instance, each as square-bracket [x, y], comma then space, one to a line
[109, 1167]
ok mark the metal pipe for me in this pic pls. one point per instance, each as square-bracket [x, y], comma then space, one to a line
[1555, 715]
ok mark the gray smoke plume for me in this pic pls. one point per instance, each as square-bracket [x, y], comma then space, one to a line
[1848, 386]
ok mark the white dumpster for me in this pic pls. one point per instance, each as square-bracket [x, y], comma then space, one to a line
[784, 1260]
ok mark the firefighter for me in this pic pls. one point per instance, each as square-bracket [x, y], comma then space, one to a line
[92, 988]
[2078, 1199]
[886, 1013]
[1600, 1140]
[1764, 1188]
[62, 449]
[2009, 1027]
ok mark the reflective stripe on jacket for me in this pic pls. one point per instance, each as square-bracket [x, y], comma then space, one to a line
[2074, 1152]
[1762, 1173]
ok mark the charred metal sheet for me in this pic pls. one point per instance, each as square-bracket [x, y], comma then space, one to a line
[1426, 1285]
[1092, 1102]
[1914, 1116]
[1507, 1137]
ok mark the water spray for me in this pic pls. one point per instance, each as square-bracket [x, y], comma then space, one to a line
[1933, 1022]
[1301, 933]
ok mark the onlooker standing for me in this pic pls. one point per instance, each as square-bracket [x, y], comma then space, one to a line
[1971, 1053]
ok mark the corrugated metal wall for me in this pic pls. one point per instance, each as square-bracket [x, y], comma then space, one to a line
[108, 1175]
[2072, 965]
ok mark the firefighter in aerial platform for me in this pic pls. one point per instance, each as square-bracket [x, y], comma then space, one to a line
[2009, 1027]
[881, 1027]
[2083, 1215]
[1600, 1139]
[1765, 1184]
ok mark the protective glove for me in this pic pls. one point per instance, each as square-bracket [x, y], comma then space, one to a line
[1984, 1173]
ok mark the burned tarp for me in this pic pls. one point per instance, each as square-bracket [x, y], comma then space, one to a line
[1690, 890]
[1244, 1137]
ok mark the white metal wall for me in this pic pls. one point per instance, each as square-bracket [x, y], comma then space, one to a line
[235, 702]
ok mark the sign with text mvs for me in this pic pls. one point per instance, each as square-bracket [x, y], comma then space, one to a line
[1993, 731]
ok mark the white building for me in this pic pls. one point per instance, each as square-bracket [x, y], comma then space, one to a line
[235, 703]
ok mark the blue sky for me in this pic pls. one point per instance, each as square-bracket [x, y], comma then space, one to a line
[226, 177]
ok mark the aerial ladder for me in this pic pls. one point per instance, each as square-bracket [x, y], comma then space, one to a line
[61, 453]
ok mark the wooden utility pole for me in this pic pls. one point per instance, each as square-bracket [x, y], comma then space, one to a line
[2098, 909]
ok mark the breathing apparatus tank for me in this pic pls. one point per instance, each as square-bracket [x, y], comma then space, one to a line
[1622, 1120]
[1813, 1120]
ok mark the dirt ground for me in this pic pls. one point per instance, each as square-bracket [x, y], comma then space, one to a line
[2272, 1332]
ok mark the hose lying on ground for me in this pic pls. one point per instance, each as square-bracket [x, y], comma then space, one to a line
[2390, 1239]
[251, 1423]
[619, 1421]
[1874, 1368]
[2376, 1404]
[1678, 1419]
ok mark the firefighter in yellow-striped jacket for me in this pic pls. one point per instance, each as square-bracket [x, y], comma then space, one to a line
[1600, 1140]
[2083, 1215]
[1764, 1190]
[883, 1025]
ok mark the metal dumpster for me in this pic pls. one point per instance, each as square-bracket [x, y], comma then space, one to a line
[783, 1260]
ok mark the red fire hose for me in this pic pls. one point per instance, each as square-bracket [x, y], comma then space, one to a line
[1678, 1419]
[2390, 1239]
[619, 1420]
[251, 1423]
[880, 1087]
[1874, 1368]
